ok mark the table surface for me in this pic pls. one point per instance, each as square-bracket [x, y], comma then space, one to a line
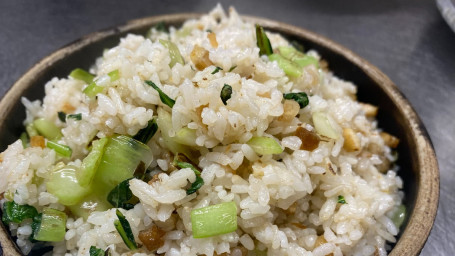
[408, 40]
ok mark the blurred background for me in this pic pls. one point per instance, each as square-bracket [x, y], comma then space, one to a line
[408, 40]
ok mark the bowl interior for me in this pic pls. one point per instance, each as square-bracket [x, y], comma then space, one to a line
[342, 62]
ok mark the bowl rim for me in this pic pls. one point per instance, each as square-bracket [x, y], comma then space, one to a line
[422, 218]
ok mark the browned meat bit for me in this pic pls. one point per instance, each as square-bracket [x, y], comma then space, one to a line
[351, 141]
[290, 110]
[152, 238]
[390, 140]
[212, 38]
[37, 141]
[200, 57]
[68, 108]
[370, 110]
[310, 140]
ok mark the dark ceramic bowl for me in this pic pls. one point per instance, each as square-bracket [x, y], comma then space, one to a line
[419, 169]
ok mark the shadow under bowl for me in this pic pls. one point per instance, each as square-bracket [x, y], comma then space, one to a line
[417, 161]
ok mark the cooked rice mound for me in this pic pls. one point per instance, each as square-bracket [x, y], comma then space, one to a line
[287, 203]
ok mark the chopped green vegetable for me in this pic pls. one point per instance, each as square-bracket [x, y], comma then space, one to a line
[62, 116]
[399, 215]
[121, 195]
[217, 69]
[114, 75]
[324, 126]
[164, 122]
[307, 60]
[31, 130]
[95, 201]
[263, 42]
[174, 52]
[289, 67]
[122, 155]
[163, 97]
[209, 31]
[232, 68]
[161, 26]
[13, 212]
[61, 149]
[265, 145]
[341, 200]
[24, 139]
[77, 117]
[92, 90]
[80, 74]
[63, 184]
[299, 97]
[214, 220]
[95, 251]
[299, 58]
[226, 93]
[36, 223]
[124, 229]
[197, 184]
[182, 165]
[186, 136]
[144, 135]
[47, 128]
[52, 227]
[91, 162]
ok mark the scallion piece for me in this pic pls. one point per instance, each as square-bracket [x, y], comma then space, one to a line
[174, 52]
[144, 135]
[91, 162]
[217, 69]
[47, 128]
[289, 67]
[114, 75]
[80, 74]
[92, 90]
[62, 116]
[77, 117]
[124, 229]
[341, 200]
[214, 220]
[232, 68]
[61, 149]
[226, 93]
[13, 212]
[323, 125]
[52, 227]
[263, 42]
[299, 97]
[163, 97]
[265, 145]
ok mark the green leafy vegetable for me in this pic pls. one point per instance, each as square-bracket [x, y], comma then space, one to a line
[47, 129]
[226, 93]
[214, 220]
[265, 145]
[61, 149]
[62, 116]
[163, 97]
[92, 90]
[299, 97]
[323, 125]
[217, 69]
[161, 26]
[121, 195]
[80, 74]
[263, 42]
[31, 130]
[197, 184]
[232, 68]
[399, 215]
[52, 227]
[36, 223]
[91, 162]
[63, 184]
[13, 212]
[77, 117]
[174, 52]
[144, 135]
[182, 165]
[186, 136]
[289, 67]
[95, 251]
[124, 229]
[24, 139]
[341, 200]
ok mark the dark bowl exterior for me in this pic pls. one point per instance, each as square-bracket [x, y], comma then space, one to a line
[418, 164]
